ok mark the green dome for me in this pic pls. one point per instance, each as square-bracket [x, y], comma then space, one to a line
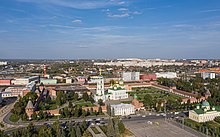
[135, 96]
[205, 103]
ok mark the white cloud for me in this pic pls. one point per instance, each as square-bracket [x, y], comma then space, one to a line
[77, 21]
[118, 15]
[212, 10]
[79, 4]
[3, 31]
[122, 9]
[137, 13]
[121, 13]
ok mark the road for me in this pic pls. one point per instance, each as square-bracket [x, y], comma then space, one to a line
[157, 127]
[5, 111]
[137, 124]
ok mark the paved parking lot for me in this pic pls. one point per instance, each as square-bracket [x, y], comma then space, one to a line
[164, 129]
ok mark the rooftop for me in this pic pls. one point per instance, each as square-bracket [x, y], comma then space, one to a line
[30, 104]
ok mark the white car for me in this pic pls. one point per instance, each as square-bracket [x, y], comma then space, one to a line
[158, 115]
[144, 116]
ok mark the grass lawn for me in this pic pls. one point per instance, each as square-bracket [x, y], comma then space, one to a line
[155, 93]
[84, 104]
[103, 128]
[95, 130]
[14, 118]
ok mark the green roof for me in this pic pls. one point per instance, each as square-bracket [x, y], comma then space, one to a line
[199, 111]
[135, 96]
[205, 103]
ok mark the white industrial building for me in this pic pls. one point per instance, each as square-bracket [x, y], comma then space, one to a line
[210, 75]
[3, 63]
[122, 109]
[131, 76]
[166, 75]
[25, 81]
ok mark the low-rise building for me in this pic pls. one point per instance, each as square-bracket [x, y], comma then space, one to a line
[25, 81]
[3, 63]
[204, 113]
[94, 79]
[69, 80]
[137, 104]
[166, 75]
[131, 76]
[5, 82]
[48, 81]
[148, 77]
[122, 109]
[210, 75]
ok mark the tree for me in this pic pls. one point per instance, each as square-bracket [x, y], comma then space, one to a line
[110, 127]
[78, 131]
[100, 110]
[41, 114]
[121, 127]
[30, 129]
[34, 116]
[59, 99]
[75, 97]
[70, 105]
[24, 117]
[45, 115]
[2, 134]
[48, 100]
[56, 128]
[72, 132]
[109, 110]
[85, 96]
[100, 102]
[148, 101]
[44, 131]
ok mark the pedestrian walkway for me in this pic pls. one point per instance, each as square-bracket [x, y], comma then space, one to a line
[102, 134]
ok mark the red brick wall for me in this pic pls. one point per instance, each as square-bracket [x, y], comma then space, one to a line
[148, 77]
[5, 82]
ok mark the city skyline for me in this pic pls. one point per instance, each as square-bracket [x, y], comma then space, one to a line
[90, 29]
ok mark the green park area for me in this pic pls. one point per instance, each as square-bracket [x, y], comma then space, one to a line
[83, 103]
[155, 93]
[154, 98]
[69, 105]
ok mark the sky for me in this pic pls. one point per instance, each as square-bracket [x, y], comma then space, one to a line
[109, 29]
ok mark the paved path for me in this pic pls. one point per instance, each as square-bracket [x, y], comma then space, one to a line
[96, 135]
[98, 128]
[164, 129]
